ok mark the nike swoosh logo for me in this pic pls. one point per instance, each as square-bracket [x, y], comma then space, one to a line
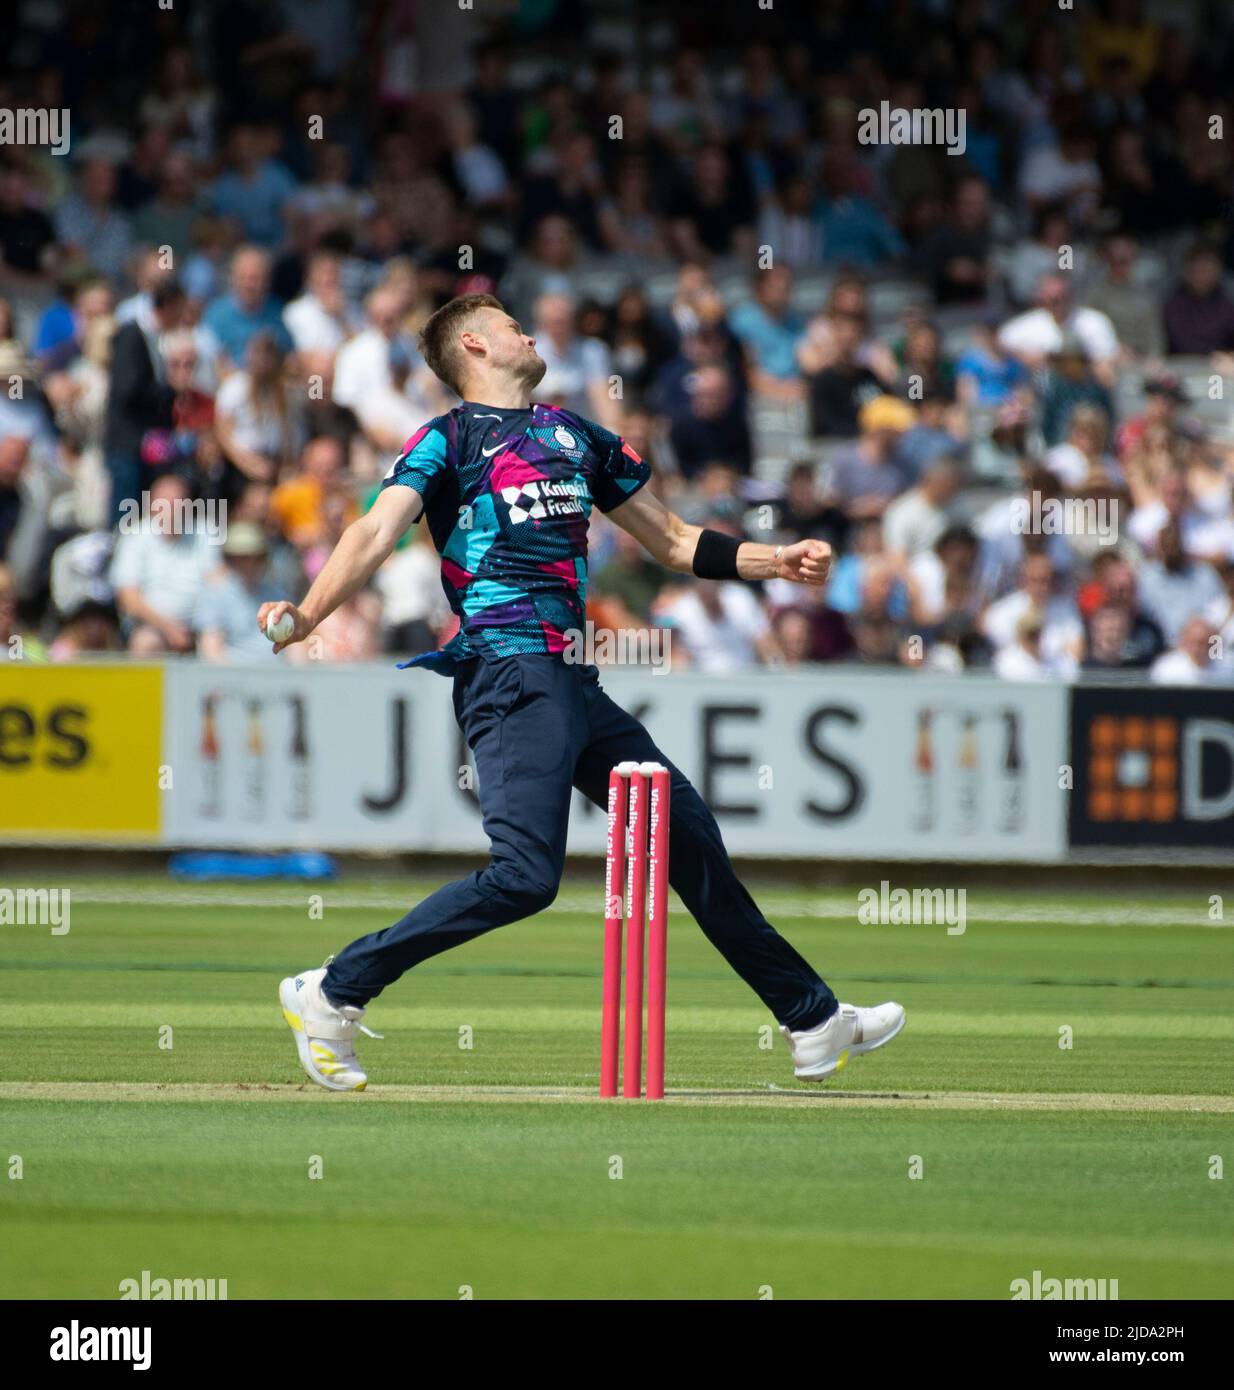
[488, 453]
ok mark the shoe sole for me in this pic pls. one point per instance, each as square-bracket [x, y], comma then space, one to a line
[855, 1051]
[295, 1021]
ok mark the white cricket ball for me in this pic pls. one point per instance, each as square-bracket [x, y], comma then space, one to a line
[281, 630]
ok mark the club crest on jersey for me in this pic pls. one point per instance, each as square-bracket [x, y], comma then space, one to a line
[565, 438]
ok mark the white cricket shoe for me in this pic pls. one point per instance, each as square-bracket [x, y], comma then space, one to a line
[823, 1051]
[324, 1035]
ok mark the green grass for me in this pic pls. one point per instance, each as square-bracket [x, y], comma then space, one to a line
[519, 1198]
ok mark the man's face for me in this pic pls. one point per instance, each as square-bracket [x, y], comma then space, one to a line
[1203, 274]
[510, 351]
[1037, 576]
[1056, 297]
[250, 278]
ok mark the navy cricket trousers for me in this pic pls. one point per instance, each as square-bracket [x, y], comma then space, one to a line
[538, 727]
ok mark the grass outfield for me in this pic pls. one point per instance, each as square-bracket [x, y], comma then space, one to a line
[492, 1167]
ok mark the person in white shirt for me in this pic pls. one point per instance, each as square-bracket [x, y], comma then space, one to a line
[321, 320]
[363, 364]
[1174, 587]
[1026, 658]
[722, 626]
[1083, 459]
[1194, 660]
[1062, 636]
[158, 571]
[1204, 535]
[916, 519]
[1037, 334]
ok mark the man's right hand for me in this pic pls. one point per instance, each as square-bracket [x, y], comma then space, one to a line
[272, 612]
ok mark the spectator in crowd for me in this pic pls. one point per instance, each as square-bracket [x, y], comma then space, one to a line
[321, 320]
[258, 416]
[918, 517]
[253, 189]
[1220, 613]
[867, 475]
[711, 425]
[1059, 633]
[90, 227]
[839, 390]
[225, 616]
[769, 329]
[577, 369]
[1173, 586]
[1039, 333]
[1114, 587]
[722, 626]
[1199, 314]
[29, 254]
[1193, 659]
[713, 213]
[1028, 656]
[551, 265]
[300, 504]
[1118, 294]
[944, 579]
[170, 216]
[1037, 256]
[139, 398]
[247, 308]
[363, 362]
[1070, 382]
[987, 374]
[158, 571]
[956, 256]
[1083, 458]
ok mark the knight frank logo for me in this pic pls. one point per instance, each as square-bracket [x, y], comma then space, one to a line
[541, 498]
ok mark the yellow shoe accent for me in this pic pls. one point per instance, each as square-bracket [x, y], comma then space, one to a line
[293, 1020]
[841, 1062]
[360, 1087]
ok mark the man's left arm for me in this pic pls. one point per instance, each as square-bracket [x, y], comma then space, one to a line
[688, 549]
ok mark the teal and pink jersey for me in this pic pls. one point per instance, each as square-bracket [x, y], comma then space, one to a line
[508, 496]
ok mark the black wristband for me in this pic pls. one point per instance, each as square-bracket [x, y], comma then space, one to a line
[715, 555]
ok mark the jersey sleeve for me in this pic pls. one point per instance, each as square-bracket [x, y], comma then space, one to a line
[620, 472]
[422, 463]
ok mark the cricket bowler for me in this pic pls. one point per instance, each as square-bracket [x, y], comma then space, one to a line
[507, 488]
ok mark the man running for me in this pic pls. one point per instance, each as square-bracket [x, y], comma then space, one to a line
[507, 488]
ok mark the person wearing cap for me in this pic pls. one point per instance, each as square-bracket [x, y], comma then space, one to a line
[226, 613]
[1028, 658]
[866, 476]
[1072, 380]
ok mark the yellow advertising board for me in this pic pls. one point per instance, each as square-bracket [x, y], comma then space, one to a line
[80, 749]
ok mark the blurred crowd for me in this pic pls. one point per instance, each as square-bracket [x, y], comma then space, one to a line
[209, 311]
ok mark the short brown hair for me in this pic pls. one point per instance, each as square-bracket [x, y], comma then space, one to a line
[439, 336]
